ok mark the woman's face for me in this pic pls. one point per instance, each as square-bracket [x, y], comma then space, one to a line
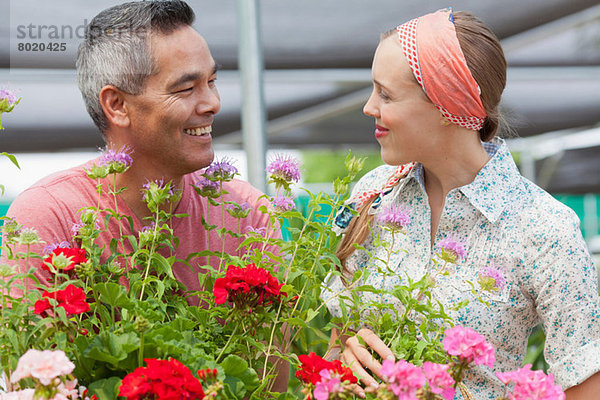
[407, 123]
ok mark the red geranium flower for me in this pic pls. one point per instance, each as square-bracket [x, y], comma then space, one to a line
[72, 299]
[161, 379]
[247, 287]
[313, 364]
[76, 255]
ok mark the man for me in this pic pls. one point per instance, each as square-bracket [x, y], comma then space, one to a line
[148, 82]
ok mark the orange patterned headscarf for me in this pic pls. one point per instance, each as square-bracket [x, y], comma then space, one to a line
[434, 55]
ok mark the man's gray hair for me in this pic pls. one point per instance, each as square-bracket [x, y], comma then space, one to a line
[116, 48]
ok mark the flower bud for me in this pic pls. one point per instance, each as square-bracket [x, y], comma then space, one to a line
[28, 236]
[84, 270]
[141, 324]
[354, 165]
[97, 171]
[115, 268]
[60, 261]
[88, 217]
[10, 226]
[10, 231]
[339, 187]
[7, 270]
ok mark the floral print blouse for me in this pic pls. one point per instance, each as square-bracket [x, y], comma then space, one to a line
[509, 223]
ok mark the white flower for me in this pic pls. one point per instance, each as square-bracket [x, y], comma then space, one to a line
[42, 365]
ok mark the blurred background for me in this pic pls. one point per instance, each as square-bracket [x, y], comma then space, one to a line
[317, 55]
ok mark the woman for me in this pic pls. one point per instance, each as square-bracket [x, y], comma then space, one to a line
[437, 84]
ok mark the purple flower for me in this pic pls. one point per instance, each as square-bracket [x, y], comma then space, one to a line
[238, 210]
[156, 193]
[491, 279]
[282, 204]
[76, 227]
[394, 217]
[204, 182]
[8, 100]
[11, 229]
[149, 228]
[452, 249]
[440, 381]
[404, 378]
[469, 346]
[531, 384]
[262, 231]
[284, 170]
[221, 170]
[51, 247]
[149, 234]
[117, 161]
[160, 183]
[8, 95]
[207, 188]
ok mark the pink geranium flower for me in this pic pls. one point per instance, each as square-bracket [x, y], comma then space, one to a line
[42, 365]
[25, 394]
[329, 384]
[531, 384]
[440, 381]
[404, 378]
[469, 346]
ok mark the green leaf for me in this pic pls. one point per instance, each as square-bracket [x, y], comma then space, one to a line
[286, 396]
[12, 158]
[111, 348]
[295, 321]
[162, 265]
[160, 286]
[114, 244]
[105, 389]
[239, 377]
[133, 242]
[421, 345]
[310, 315]
[113, 294]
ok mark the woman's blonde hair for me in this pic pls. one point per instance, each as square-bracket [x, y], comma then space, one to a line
[485, 58]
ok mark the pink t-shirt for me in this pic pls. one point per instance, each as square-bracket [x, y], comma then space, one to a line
[51, 206]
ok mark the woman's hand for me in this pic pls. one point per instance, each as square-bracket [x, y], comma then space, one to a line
[359, 359]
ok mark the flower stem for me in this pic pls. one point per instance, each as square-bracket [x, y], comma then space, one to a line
[207, 231]
[227, 344]
[141, 352]
[239, 233]
[113, 191]
[26, 278]
[152, 249]
[385, 271]
[222, 228]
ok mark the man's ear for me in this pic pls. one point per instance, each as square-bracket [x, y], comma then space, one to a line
[113, 102]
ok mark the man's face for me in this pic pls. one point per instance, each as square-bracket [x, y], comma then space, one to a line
[171, 120]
